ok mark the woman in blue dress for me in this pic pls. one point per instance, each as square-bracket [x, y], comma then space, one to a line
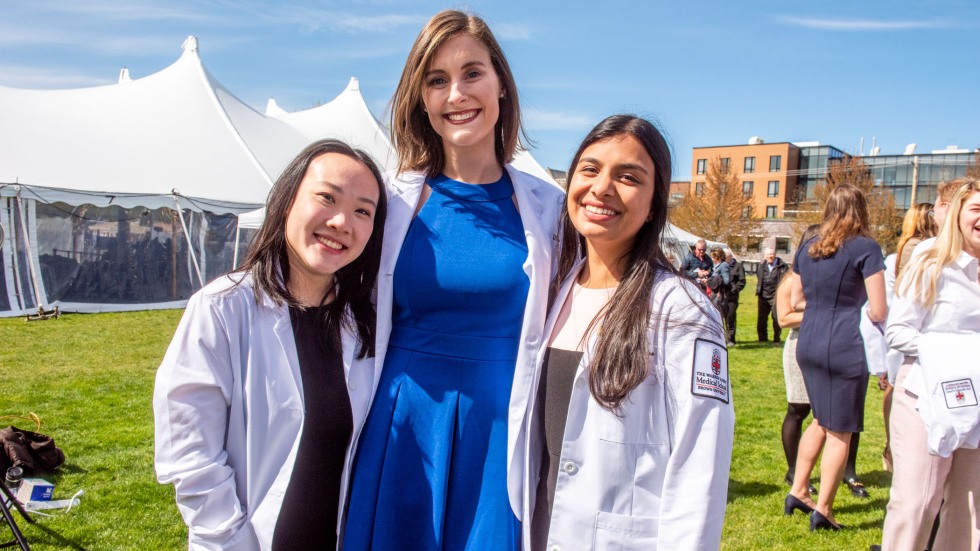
[840, 270]
[462, 299]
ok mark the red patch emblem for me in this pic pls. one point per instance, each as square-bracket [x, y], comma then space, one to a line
[960, 396]
[716, 361]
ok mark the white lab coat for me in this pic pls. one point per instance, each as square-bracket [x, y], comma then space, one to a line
[655, 476]
[539, 204]
[228, 405]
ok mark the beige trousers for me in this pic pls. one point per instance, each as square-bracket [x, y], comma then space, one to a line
[922, 482]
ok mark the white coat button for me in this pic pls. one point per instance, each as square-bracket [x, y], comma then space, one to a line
[569, 467]
[554, 548]
[352, 385]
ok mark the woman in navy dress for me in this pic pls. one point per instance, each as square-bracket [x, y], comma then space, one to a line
[462, 299]
[840, 270]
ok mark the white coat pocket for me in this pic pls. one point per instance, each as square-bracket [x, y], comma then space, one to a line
[624, 533]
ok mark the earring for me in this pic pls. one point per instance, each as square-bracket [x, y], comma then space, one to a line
[503, 95]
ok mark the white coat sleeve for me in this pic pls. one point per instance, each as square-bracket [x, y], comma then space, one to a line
[191, 400]
[905, 318]
[695, 494]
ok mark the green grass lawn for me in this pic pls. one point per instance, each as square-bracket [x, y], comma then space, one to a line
[90, 378]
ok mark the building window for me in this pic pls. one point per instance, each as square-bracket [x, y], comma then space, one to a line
[747, 187]
[775, 163]
[749, 165]
[699, 189]
[702, 165]
[747, 212]
[753, 244]
[725, 162]
[782, 245]
[773, 188]
[771, 211]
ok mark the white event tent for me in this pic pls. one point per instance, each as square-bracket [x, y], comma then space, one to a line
[126, 196]
[130, 196]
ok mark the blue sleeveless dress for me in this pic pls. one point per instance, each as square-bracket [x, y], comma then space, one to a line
[431, 471]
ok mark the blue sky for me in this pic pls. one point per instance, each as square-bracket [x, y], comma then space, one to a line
[711, 73]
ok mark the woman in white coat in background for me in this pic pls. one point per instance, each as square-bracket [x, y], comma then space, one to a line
[937, 295]
[630, 434]
[269, 376]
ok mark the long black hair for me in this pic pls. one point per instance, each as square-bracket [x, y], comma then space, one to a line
[620, 360]
[268, 264]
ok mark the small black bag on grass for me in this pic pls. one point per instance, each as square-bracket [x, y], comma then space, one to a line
[32, 451]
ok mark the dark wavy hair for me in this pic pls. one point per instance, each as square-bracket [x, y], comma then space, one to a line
[267, 262]
[620, 362]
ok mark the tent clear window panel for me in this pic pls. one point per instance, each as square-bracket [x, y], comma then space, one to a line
[113, 255]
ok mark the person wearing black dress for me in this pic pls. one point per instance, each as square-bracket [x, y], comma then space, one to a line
[840, 270]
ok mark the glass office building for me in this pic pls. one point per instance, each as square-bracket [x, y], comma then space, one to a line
[901, 174]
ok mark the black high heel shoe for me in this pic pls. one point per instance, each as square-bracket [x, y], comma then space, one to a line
[820, 522]
[794, 503]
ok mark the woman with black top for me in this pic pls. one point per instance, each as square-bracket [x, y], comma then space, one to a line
[631, 429]
[269, 376]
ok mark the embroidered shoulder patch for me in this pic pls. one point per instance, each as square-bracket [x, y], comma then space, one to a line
[709, 377]
[959, 393]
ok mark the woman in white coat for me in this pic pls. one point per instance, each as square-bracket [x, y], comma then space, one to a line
[630, 434]
[462, 299]
[269, 376]
[937, 295]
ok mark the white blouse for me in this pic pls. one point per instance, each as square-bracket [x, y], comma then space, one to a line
[956, 310]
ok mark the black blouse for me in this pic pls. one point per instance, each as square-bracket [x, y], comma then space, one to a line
[308, 517]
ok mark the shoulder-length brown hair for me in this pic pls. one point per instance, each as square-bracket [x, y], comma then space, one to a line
[918, 224]
[267, 262]
[845, 217]
[419, 147]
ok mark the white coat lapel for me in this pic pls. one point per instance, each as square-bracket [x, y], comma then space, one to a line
[403, 196]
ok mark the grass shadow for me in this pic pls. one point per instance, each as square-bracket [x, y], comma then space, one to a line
[57, 539]
[738, 490]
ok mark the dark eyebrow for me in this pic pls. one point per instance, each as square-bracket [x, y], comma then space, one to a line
[466, 65]
[339, 190]
[622, 166]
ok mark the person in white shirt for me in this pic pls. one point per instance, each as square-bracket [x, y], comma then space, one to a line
[938, 292]
[631, 427]
[269, 376]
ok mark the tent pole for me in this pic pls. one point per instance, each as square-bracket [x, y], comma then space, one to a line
[190, 245]
[30, 249]
[238, 236]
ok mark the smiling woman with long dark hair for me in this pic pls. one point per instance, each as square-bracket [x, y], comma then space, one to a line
[630, 435]
[267, 381]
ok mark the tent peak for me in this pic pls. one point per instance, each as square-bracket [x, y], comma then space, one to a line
[272, 108]
[124, 75]
[190, 44]
[354, 85]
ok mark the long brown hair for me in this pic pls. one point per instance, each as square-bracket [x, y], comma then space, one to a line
[267, 263]
[918, 224]
[621, 360]
[418, 145]
[845, 216]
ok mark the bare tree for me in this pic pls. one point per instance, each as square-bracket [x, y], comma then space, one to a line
[717, 209]
[973, 171]
[885, 220]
